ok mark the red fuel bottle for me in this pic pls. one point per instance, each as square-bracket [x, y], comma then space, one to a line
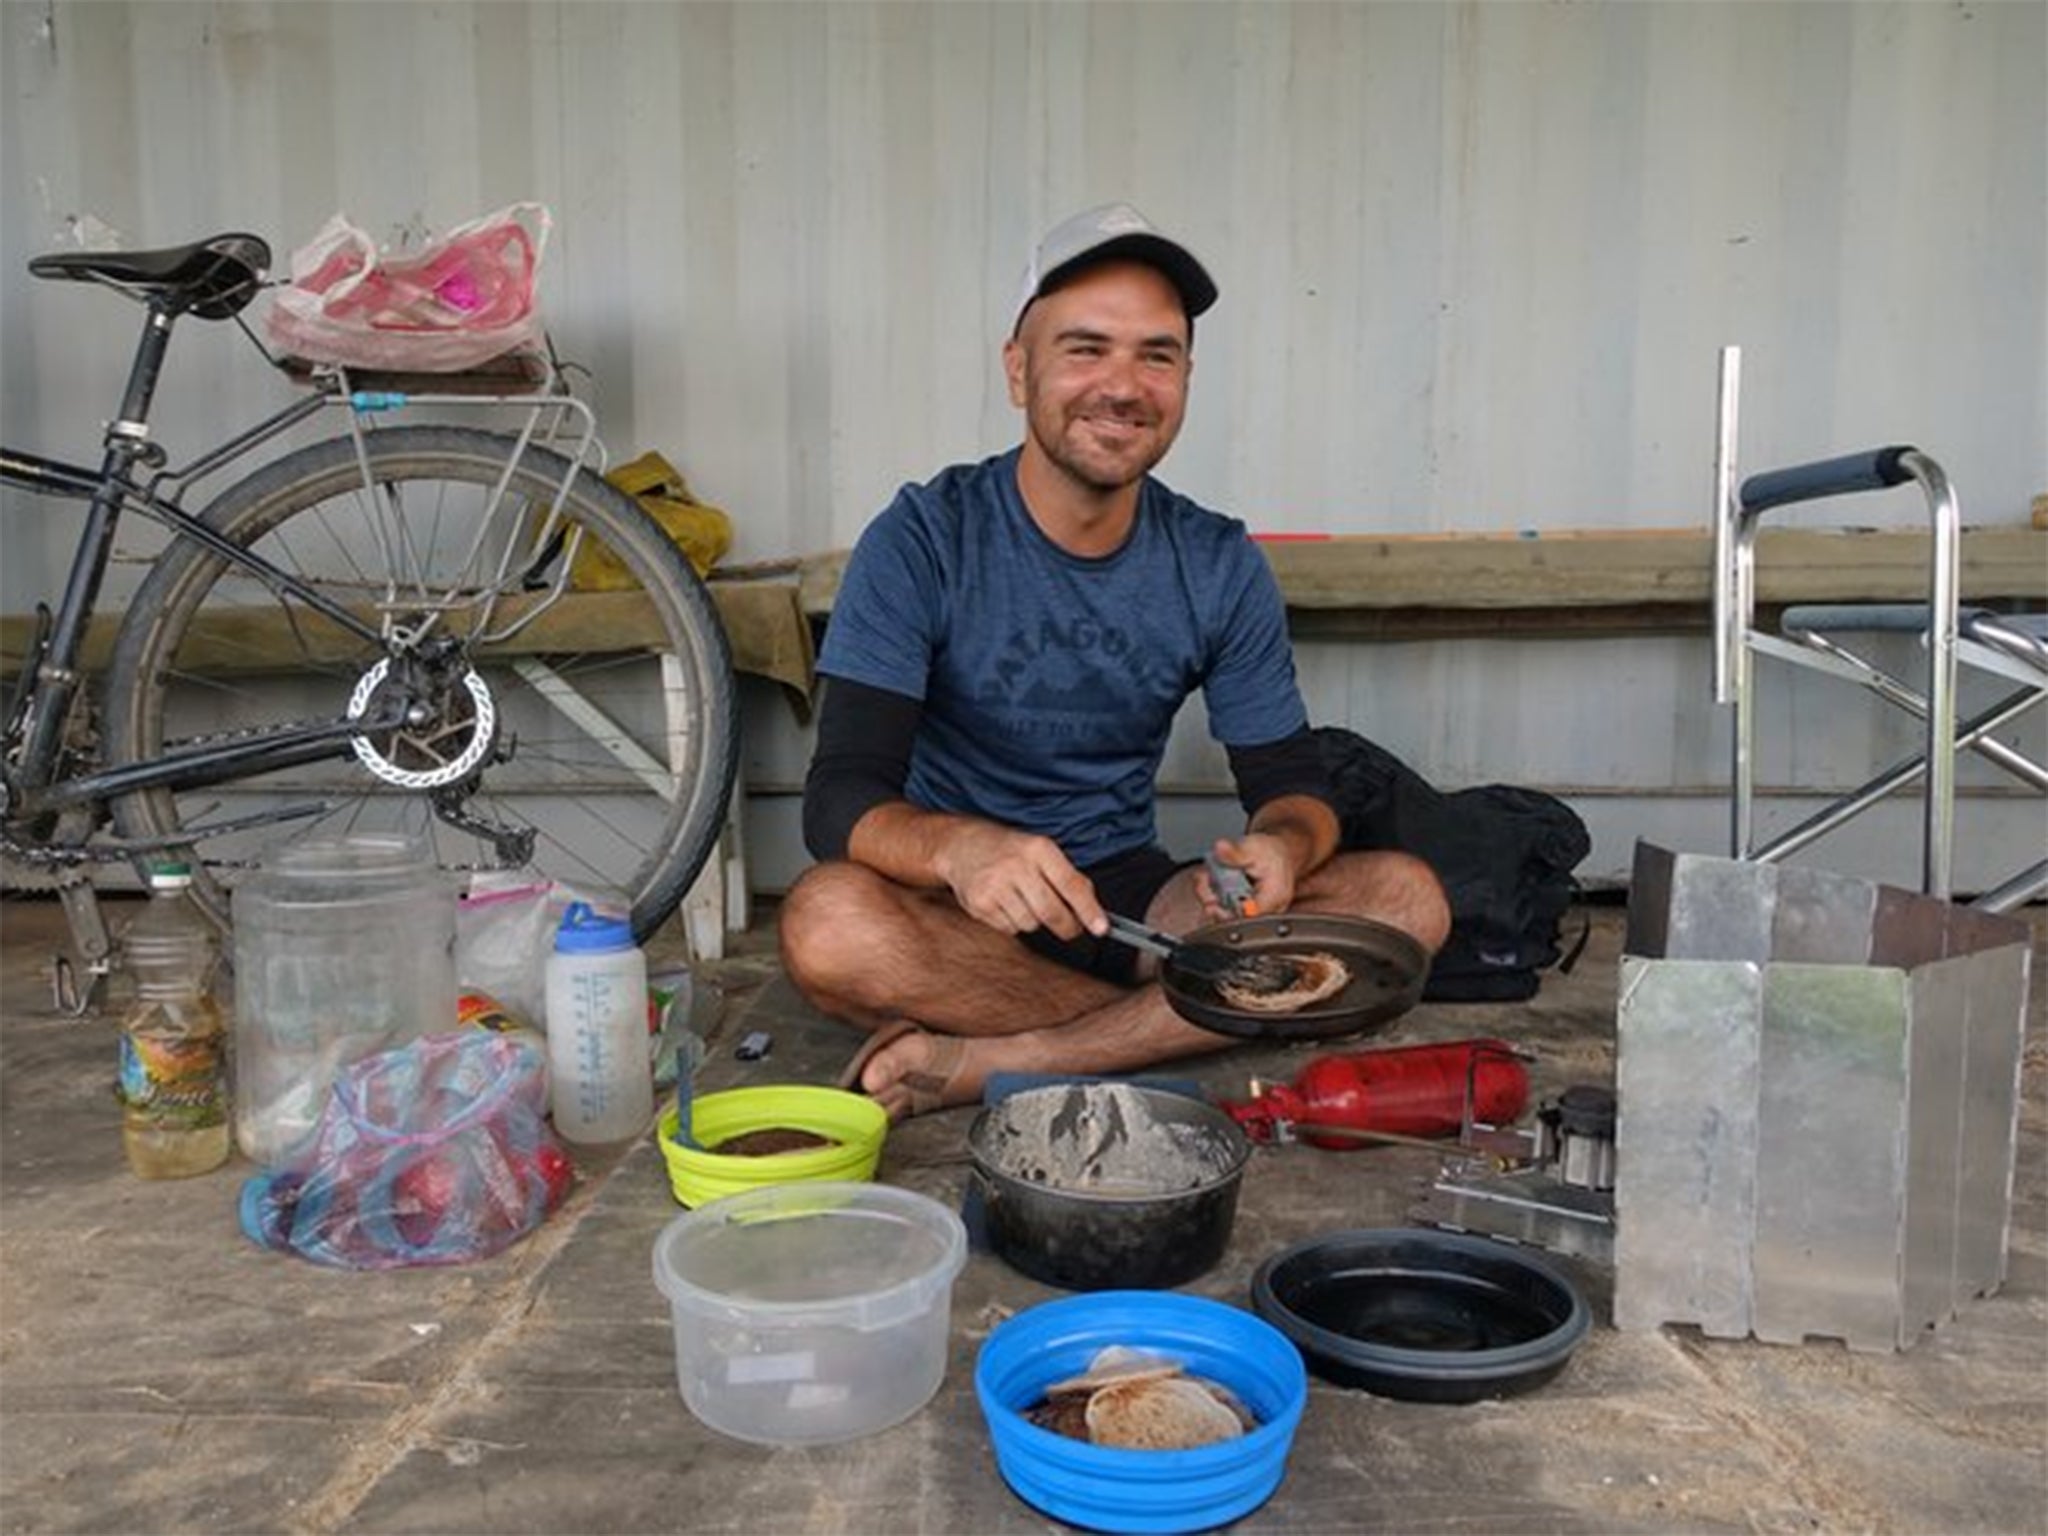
[1410, 1090]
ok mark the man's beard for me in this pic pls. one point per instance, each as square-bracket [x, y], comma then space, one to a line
[1099, 469]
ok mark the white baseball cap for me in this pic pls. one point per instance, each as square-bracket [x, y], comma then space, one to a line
[1115, 230]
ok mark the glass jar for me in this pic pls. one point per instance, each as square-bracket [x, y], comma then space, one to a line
[344, 946]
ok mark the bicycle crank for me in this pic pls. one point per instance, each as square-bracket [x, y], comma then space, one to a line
[59, 864]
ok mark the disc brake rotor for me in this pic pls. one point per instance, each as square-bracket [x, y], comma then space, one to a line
[443, 749]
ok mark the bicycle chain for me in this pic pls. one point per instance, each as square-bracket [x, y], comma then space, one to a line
[34, 860]
[37, 858]
[36, 865]
[247, 733]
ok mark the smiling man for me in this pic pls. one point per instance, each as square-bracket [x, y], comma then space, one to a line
[1006, 656]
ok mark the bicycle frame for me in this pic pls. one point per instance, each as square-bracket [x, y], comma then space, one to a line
[51, 674]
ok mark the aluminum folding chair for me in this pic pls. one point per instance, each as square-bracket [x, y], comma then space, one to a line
[2010, 648]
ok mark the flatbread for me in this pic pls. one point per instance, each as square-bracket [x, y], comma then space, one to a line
[1114, 1365]
[1318, 975]
[1174, 1413]
[1141, 1401]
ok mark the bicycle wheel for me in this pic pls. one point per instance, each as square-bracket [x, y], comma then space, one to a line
[598, 728]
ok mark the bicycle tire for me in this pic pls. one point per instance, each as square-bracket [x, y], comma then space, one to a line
[194, 649]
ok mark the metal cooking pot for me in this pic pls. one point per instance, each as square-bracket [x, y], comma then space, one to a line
[1388, 971]
[1100, 1186]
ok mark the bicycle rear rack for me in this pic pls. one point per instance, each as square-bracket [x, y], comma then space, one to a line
[555, 418]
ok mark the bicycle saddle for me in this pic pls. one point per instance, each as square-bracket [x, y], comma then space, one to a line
[212, 278]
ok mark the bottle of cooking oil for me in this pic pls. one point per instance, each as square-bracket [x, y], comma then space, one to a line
[173, 1086]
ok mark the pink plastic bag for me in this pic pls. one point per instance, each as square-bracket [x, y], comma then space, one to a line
[456, 302]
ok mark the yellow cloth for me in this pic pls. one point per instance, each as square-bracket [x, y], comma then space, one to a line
[702, 532]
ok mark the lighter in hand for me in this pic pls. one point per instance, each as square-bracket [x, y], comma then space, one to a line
[1233, 887]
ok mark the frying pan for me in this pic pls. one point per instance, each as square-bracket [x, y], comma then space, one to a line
[1388, 969]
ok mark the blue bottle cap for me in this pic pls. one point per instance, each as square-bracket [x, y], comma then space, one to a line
[587, 931]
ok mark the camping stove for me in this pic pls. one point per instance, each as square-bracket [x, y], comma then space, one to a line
[1555, 1192]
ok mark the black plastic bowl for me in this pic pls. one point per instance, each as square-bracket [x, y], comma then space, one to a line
[1433, 1317]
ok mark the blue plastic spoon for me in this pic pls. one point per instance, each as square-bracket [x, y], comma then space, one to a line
[686, 1069]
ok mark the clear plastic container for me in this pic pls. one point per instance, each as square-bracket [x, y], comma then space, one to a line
[600, 1069]
[344, 947]
[807, 1313]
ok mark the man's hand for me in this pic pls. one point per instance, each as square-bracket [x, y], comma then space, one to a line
[1016, 882]
[1289, 839]
[1266, 861]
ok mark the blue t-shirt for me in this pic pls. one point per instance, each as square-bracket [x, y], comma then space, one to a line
[1050, 681]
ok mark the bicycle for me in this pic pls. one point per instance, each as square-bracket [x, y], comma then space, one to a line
[380, 630]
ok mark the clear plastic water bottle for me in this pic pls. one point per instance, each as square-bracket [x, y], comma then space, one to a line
[601, 1078]
[173, 1085]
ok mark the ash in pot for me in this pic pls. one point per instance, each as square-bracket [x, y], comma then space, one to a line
[1102, 1138]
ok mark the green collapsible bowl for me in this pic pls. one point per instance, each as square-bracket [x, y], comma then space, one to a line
[855, 1122]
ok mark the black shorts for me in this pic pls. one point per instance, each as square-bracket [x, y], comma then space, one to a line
[1124, 883]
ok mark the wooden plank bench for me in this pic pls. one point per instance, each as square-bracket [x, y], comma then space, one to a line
[1364, 586]
[1585, 582]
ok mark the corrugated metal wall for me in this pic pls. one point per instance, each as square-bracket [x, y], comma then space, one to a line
[1476, 262]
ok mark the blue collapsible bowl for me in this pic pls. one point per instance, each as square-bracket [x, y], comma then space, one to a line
[1106, 1488]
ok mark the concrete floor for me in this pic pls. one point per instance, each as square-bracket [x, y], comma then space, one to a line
[160, 1373]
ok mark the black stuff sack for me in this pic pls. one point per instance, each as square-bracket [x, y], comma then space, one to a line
[1505, 856]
